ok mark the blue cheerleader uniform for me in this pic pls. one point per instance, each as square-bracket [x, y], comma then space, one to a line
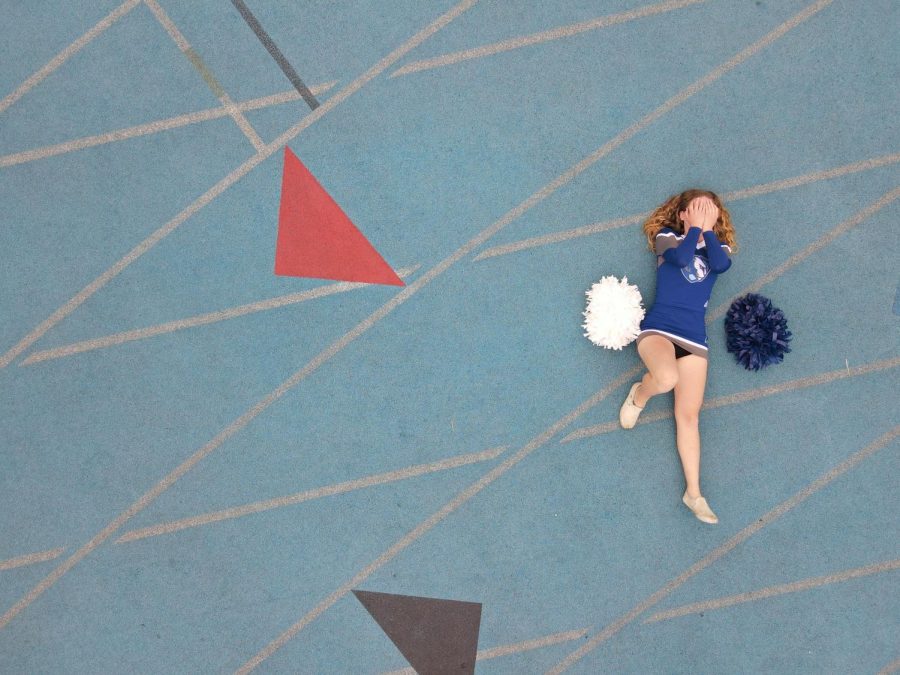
[687, 267]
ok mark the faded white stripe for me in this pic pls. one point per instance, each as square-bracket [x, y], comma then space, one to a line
[217, 89]
[155, 127]
[816, 245]
[517, 648]
[308, 495]
[31, 558]
[201, 320]
[220, 187]
[892, 667]
[250, 414]
[744, 396]
[543, 36]
[66, 53]
[510, 216]
[720, 551]
[746, 193]
[771, 591]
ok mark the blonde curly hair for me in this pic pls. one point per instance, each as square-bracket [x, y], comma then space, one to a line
[666, 215]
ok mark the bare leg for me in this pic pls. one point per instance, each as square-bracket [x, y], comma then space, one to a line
[688, 400]
[658, 354]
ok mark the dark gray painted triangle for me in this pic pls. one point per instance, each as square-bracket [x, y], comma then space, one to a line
[436, 636]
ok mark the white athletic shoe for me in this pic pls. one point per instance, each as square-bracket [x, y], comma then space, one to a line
[629, 412]
[700, 508]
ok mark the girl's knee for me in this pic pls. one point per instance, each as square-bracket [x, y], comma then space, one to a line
[666, 380]
[687, 416]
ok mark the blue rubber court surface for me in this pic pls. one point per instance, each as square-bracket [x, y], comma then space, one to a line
[201, 460]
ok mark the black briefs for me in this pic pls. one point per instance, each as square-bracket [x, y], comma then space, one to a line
[680, 351]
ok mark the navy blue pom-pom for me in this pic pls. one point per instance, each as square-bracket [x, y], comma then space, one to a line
[756, 332]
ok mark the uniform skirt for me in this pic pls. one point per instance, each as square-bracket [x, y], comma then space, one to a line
[683, 327]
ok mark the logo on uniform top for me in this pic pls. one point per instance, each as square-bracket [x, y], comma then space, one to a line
[696, 270]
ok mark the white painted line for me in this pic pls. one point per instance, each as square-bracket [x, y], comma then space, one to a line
[772, 591]
[765, 188]
[308, 495]
[430, 522]
[814, 246]
[202, 319]
[543, 36]
[244, 419]
[720, 551]
[66, 53]
[516, 648]
[31, 558]
[892, 667]
[229, 180]
[154, 127]
[207, 75]
[743, 396]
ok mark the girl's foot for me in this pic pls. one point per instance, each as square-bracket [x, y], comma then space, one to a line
[700, 508]
[638, 394]
[629, 412]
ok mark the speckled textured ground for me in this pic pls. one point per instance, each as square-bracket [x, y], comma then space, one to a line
[201, 460]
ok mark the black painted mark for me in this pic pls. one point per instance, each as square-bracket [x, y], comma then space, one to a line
[435, 635]
[282, 62]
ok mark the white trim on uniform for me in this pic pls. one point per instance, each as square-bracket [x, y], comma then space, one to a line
[657, 330]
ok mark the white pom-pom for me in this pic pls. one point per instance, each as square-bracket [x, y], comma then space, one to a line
[614, 313]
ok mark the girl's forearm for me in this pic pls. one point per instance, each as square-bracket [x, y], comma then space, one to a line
[718, 259]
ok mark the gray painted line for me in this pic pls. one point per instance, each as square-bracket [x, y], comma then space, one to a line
[280, 59]
[31, 558]
[816, 245]
[770, 591]
[720, 551]
[543, 36]
[220, 187]
[486, 234]
[517, 648]
[744, 396]
[155, 127]
[202, 319]
[66, 53]
[148, 243]
[206, 74]
[765, 188]
[308, 495]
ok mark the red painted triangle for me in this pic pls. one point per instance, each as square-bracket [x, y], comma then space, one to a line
[317, 239]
